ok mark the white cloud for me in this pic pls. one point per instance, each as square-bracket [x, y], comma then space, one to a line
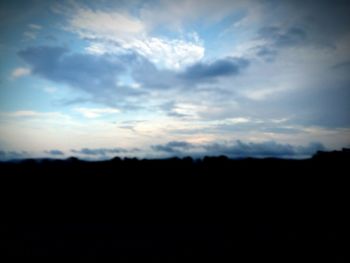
[32, 114]
[96, 48]
[96, 112]
[164, 53]
[35, 26]
[115, 32]
[135, 85]
[20, 72]
[113, 25]
[50, 89]
[172, 54]
[187, 109]
[30, 34]
[238, 120]
[262, 94]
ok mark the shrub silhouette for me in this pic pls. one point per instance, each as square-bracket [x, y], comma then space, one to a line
[173, 207]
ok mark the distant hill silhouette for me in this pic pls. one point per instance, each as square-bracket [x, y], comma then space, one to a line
[292, 210]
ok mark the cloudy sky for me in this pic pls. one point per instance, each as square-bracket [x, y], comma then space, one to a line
[160, 78]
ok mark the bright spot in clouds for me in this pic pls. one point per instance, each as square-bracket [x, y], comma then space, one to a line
[20, 72]
[95, 113]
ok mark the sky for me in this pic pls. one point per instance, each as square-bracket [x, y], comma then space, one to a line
[161, 78]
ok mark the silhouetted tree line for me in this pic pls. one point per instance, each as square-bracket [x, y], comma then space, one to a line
[288, 210]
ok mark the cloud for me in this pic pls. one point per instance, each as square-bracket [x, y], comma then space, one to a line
[100, 76]
[20, 72]
[13, 155]
[173, 147]
[96, 75]
[267, 53]
[281, 130]
[344, 65]
[176, 15]
[304, 23]
[35, 26]
[55, 152]
[173, 110]
[89, 23]
[95, 113]
[242, 127]
[218, 68]
[33, 31]
[50, 89]
[57, 64]
[239, 149]
[119, 32]
[29, 114]
[279, 37]
[145, 72]
[263, 149]
[172, 54]
[326, 21]
[103, 151]
[324, 103]
[30, 34]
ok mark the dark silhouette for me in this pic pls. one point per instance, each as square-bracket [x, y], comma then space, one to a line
[288, 210]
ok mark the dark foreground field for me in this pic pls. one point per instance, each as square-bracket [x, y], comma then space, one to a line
[168, 210]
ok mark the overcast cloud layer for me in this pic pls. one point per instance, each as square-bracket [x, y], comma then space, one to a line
[103, 78]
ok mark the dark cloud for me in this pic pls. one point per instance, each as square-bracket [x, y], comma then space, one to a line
[180, 144]
[151, 77]
[55, 152]
[173, 147]
[263, 126]
[325, 20]
[263, 149]
[103, 151]
[279, 37]
[13, 155]
[169, 108]
[345, 65]
[318, 23]
[323, 104]
[145, 72]
[175, 114]
[219, 68]
[266, 53]
[127, 127]
[96, 75]
[282, 130]
[239, 149]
